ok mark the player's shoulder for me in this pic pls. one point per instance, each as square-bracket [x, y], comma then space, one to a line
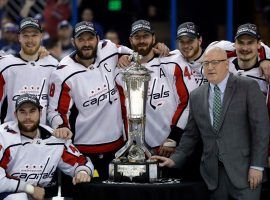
[9, 59]
[106, 48]
[66, 67]
[49, 60]
[9, 133]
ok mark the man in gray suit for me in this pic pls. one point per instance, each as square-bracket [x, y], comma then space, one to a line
[229, 114]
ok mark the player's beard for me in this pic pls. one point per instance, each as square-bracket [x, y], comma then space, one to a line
[143, 51]
[30, 51]
[82, 56]
[24, 128]
[192, 52]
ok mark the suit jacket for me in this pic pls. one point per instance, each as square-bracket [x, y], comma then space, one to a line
[242, 138]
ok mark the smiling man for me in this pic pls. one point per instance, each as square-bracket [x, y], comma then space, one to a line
[25, 72]
[84, 83]
[29, 154]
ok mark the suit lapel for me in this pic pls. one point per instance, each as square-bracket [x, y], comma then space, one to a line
[229, 91]
[205, 102]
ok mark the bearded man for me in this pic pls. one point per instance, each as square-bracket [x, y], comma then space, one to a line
[168, 91]
[25, 72]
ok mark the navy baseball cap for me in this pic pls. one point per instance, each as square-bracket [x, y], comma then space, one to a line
[29, 22]
[63, 24]
[82, 27]
[141, 25]
[27, 98]
[248, 29]
[10, 27]
[188, 29]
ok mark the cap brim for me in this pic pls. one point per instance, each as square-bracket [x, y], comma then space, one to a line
[38, 106]
[247, 33]
[188, 35]
[82, 31]
[30, 26]
[142, 29]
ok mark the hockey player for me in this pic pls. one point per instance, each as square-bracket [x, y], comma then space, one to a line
[248, 55]
[189, 42]
[168, 93]
[25, 72]
[29, 154]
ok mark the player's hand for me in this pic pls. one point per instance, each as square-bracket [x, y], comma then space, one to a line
[166, 151]
[39, 193]
[81, 177]
[265, 66]
[161, 49]
[43, 52]
[124, 61]
[63, 133]
[164, 162]
[254, 178]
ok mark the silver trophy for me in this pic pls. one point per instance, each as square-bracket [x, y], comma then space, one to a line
[132, 162]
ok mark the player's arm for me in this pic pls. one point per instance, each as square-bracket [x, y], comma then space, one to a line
[60, 102]
[74, 164]
[179, 118]
[264, 63]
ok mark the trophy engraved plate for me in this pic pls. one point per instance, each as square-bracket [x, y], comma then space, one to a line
[131, 170]
[132, 162]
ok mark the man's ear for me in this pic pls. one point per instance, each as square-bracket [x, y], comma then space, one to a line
[154, 38]
[72, 42]
[15, 114]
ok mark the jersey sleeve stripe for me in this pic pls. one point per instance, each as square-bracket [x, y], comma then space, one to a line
[5, 159]
[63, 104]
[182, 92]
[2, 84]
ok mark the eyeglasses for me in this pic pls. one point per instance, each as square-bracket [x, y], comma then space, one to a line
[212, 62]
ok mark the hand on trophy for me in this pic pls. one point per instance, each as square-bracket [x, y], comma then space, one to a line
[163, 161]
[166, 151]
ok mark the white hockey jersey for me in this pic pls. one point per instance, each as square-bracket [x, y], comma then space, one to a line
[167, 100]
[24, 160]
[18, 76]
[195, 67]
[99, 124]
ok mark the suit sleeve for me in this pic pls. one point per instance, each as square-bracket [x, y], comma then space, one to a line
[72, 161]
[60, 101]
[188, 141]
[259, 124]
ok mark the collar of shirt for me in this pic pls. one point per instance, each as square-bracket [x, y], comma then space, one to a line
[221, 85]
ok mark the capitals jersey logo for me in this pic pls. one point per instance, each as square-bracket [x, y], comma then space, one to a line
[156, 99]
[37, 90]
[101, 94]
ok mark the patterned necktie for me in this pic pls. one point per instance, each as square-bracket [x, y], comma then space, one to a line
[216, 108]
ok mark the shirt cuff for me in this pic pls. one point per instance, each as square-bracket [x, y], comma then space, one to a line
[257, 168]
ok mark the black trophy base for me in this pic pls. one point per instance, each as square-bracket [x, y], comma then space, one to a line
[138, 172]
